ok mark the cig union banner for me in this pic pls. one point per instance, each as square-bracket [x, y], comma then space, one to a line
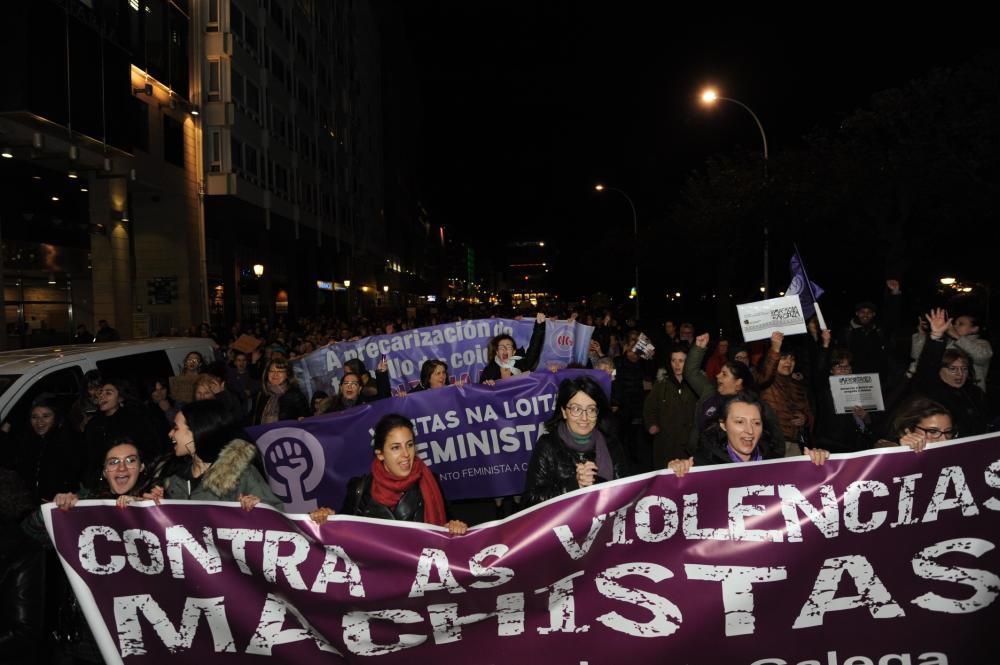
[877, 558]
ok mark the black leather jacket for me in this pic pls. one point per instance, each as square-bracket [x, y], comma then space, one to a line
[359, 502]
[552, 470]
[22, 594]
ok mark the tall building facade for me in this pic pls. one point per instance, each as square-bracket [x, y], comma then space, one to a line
[167, 162]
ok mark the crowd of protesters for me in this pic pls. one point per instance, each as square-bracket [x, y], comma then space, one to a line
[681, 397]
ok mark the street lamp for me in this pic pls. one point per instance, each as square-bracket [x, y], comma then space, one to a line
[708, 97]
[635, 236]
[258, 270]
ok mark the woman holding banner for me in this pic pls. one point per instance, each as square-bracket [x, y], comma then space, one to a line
[577, 449]
[216, 461]
[400, 486]
[920, 422]
[433, 374]
[742, 434]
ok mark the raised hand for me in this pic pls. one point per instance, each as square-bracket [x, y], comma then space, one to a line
[939, 322]
[776, 339]
[701, 341]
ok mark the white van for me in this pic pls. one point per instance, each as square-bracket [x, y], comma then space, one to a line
[59, 370]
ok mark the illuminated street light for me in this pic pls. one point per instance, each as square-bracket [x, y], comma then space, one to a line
[947, 281]
[258, 269]
[385, 289]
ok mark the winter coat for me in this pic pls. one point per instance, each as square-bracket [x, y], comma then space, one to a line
[291, 406]
[979, 350]
[22, 596]
[47, 464]
[529, 357]
[552, 469]
[787, 397]
[359, 502]
[967, 404]
[670, 406]
[231, 475]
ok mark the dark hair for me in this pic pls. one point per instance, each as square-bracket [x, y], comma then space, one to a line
[355, 366]
[126, 394]
[318, 395]
[568, 389]
[281, 363]
[910, 413]
[491, 348]
[386, 424]
[92, 378]
[721, 437]
[149, 385]
[142, 481]
[212, 426]
[951, 355]
[838, 356]
[201, 359]
[743, 373]
[428, 368]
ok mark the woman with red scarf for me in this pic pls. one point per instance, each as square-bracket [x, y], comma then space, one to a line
[400, 486]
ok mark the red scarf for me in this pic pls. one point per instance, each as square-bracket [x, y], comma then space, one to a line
[388, 489]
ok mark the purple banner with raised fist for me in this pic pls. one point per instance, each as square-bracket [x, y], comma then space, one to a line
[461, 344]
[876, 558]
[478, 439]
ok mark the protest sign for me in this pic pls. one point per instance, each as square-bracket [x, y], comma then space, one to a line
[462, 344]
[874, 558]
[851, 390]
[759, 319]
[478, 439]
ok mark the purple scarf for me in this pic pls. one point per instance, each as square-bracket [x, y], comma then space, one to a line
[596, 443]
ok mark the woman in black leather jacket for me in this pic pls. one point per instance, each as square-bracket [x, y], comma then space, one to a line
[400, 486]
[578, 448]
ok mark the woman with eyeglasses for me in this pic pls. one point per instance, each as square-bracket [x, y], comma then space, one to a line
[920, 422]
[352, 389]
[578, 449]
[280, 397]
[946, 376]
[838, 432]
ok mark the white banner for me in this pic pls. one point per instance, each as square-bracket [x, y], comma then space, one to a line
[851, 390]
[759, 319]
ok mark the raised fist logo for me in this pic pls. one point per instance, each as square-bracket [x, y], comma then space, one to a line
[294, 461]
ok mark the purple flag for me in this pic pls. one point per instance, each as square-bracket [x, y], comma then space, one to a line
[477, 438]
[800, 286]
[461, 344]
[875, 558]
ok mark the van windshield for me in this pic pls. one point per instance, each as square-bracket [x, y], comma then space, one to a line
[6, 381]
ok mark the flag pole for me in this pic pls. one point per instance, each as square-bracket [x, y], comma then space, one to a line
[809, 285]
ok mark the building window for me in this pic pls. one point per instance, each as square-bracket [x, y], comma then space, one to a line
[213, 16]
[253, 99]
[237, 81]
[252, 164]
[236, 148]
[215, 151]
[173, 141]
[214, 81]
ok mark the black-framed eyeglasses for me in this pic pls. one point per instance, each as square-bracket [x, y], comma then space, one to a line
[130, 461]
[956, 369]
[577, 411]
[353, 384]
[934, 433]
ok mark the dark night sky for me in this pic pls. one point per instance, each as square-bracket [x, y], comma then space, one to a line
[527, 104]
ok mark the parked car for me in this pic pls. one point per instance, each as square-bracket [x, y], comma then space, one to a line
[59, 370]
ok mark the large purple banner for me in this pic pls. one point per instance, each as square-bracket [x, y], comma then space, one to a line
[461, 344]
[878, 558]
[478, 439]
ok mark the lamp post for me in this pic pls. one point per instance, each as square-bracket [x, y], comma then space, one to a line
[347, 287]
[635, 238]
[708, 97]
